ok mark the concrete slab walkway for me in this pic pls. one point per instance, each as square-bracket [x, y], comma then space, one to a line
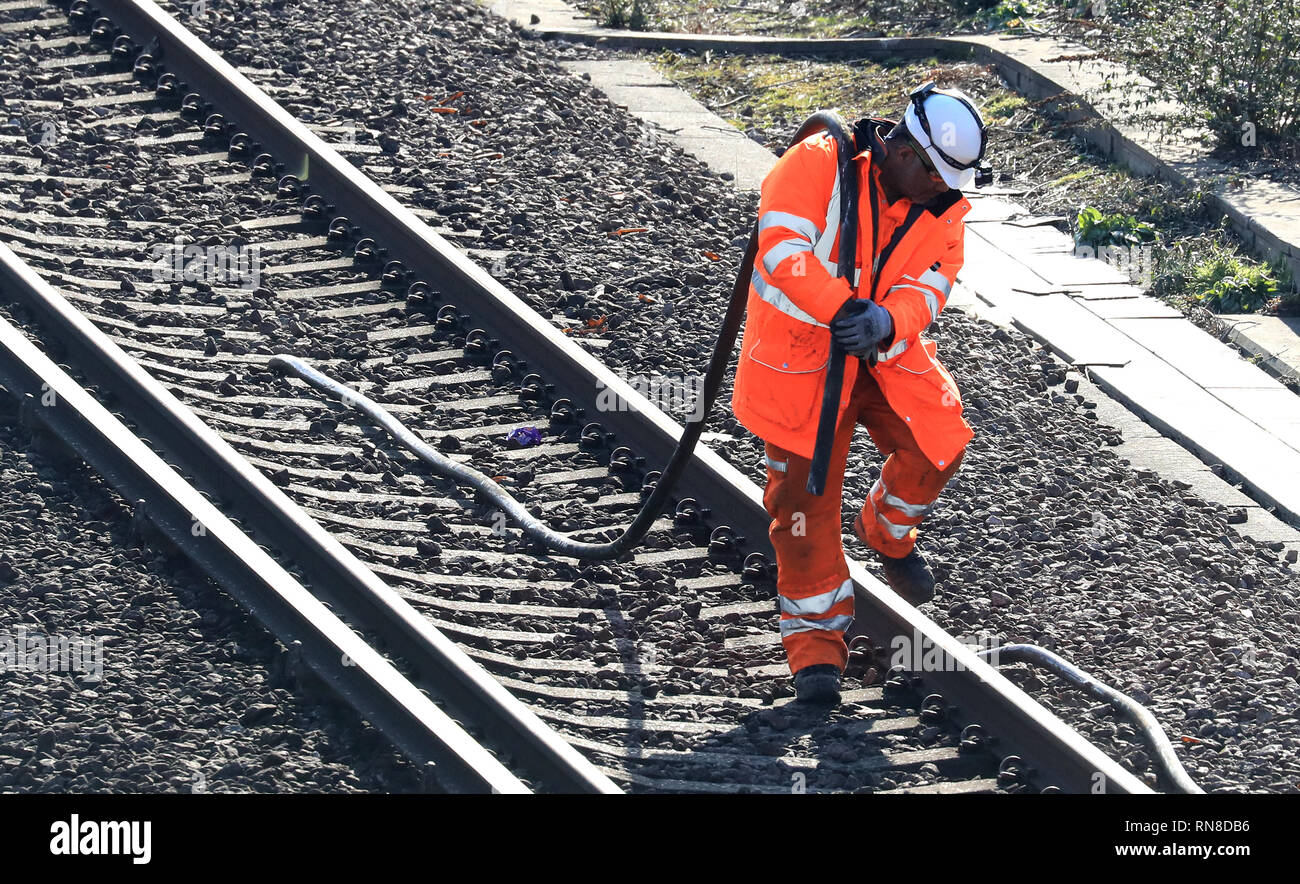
[1275, 340]
[649, 95]
[1189, 385]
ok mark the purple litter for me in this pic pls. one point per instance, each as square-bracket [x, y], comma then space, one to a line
[525, 436]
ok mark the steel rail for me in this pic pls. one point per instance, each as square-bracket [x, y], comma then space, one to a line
[367, 681]
[335, 576]
[1041, 739]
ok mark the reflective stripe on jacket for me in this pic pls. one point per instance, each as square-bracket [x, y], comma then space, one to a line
[794, 293]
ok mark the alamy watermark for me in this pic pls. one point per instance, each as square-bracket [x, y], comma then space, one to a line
[1136, 261]
[671, 394]
[24, 651]
[48, 133]
[918, 653]
[78, 837]
[232, 266]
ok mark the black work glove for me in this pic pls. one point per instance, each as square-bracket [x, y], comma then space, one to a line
[860, 326]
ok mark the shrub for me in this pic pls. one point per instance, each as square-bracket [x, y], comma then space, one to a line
[1227, 284]
[1003, 106]
[1011, 13]
[619, 14]
[1092, 228]
[615, 13]
[1233, 64]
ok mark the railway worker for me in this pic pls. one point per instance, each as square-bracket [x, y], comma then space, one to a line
[799, 308]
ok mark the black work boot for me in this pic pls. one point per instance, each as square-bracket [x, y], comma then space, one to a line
[909, 576]
[818, 684]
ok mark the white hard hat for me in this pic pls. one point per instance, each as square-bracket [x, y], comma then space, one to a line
[951, 130]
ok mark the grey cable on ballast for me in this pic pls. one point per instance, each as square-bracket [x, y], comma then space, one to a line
[1146, 723]
[654, 503]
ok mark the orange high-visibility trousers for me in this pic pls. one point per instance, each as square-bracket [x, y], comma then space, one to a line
[813, 582]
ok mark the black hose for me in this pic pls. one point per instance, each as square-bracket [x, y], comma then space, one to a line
[820, 465]
[1143, 720]
[565, 544]
[848, 238]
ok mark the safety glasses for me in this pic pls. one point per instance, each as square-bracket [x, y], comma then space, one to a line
[921, 155]
[918, 103]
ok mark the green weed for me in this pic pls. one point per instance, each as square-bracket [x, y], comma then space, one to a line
[1092, 228]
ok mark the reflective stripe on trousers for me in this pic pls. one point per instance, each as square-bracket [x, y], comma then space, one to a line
[912, 512]
[817, 604]
[893, 510]
[814, 590]
[830, 624]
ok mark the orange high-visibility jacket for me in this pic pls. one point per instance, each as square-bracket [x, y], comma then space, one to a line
[794, 293]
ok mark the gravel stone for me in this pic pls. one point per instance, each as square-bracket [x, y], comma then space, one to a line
[1043, 513]
[178, 689]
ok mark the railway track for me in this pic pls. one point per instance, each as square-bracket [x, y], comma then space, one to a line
[96, 614]
[663, 669]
